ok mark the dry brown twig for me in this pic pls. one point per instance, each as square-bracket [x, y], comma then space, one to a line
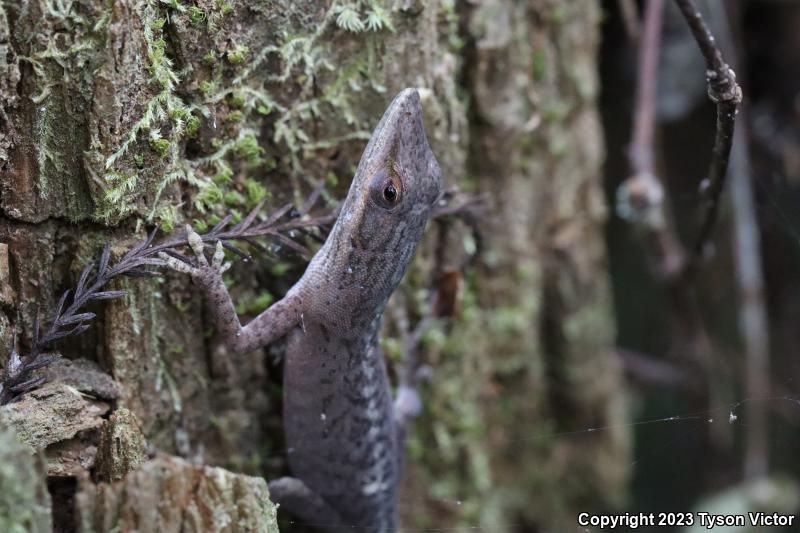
[643, 193]
[641, 196]
[727, 95]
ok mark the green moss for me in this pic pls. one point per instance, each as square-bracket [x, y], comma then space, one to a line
[159, 145]
[210, 57]
[556, 112]
[233, 198]
[235, 116]
[207, 87]
[192, 126]
[168, 217]
[178, 113]
[196, 15]
[434, 338]
[540, 64]
[164, 111]
[305, 61]
[174, 4]
[237, 100]
[157, 53]
[255, 192]
[118, 186]
[249, 149]
[200, 225]
[255, 305]
[280, 269]
[208, 197]
[225, 8]
[237, 54]
[559, 15]
[223, 176]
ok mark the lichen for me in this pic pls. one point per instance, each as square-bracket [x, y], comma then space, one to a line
[53, 413]
[170, 494]
[24, 500]
[122, 446]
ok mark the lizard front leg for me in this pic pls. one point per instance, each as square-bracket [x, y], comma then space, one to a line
[273, 323]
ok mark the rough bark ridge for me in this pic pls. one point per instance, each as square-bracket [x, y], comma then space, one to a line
[531, 356]
[120, 115]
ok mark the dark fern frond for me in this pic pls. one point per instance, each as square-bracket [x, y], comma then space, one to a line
[233, 249]
[29, 385]
[101, 268]
[140, 273]
[248, 220]
[106, 295]
[83, 279]
[74, 319]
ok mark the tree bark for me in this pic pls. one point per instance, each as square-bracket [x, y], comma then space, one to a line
[123, 115]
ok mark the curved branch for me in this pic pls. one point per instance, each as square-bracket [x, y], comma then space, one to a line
[727, 95]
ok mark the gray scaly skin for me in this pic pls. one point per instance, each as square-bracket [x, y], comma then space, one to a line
[343, 434]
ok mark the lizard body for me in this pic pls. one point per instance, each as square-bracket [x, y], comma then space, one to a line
[343, 436]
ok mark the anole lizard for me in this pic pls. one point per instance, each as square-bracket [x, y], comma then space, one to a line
[343, 432]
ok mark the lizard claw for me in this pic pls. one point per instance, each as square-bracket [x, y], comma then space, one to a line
[176, 264]
[197, 246]
[219, 256]
[217, 266]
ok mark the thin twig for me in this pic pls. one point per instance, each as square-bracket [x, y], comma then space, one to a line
[753, 319]
[652, 371]
[641, 196]
[727, 95]
[630, 18]
[641, 149]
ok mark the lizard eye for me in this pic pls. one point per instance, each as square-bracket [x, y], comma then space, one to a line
[390, 193]
[386, 190]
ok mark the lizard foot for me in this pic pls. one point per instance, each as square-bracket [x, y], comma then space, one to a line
[202, 269]
[295, 496]
[407, 404]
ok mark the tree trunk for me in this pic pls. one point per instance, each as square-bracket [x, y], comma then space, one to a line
[118, 116]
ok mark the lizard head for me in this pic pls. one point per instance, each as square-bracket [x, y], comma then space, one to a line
[381, 222]
[398, 177]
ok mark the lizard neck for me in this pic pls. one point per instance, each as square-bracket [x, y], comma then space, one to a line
[349, 286]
